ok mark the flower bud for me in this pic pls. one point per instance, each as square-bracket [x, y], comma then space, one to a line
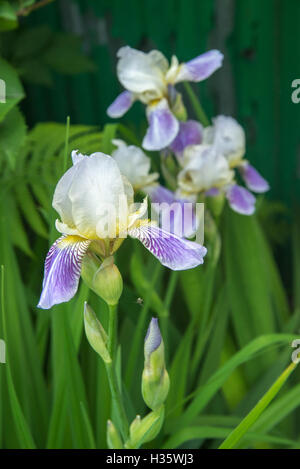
[104, 279]
[113, 438]
[95, 333]
[177, 106]
[155, 379]
[146, 429]
[216, 203]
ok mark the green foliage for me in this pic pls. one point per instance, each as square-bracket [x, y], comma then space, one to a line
[8, 17]
[13, 88]
[227, 326]
[72, 413]
[37, 52]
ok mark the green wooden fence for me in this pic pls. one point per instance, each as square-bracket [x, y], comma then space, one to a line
[259, 38]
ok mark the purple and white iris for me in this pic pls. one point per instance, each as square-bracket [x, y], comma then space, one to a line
[208, 159]
[228, 137]
[149, 78]
[190, 133]
[95, 204]
[134, 164]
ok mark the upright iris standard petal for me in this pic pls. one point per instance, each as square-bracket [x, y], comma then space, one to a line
[96, 194]
[228, 137]
[141, 72]
[120, 105]
[175, 215]
[201, 67]
[62, 270]
[163, 127]
[171, 250]
[205, 168]
[77, 157]
[241, 200]
[134, 164]
[254, 181]
[190, 133]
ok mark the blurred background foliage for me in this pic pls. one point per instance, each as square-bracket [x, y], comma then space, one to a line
[223, 324]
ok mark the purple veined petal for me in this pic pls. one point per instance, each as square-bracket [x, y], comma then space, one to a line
[201, 67]
[254, 181]
[163, 127]
[241, 200]
[120, 105]
[62, 270]
[172, 251]
[190, 133]
[176, 216]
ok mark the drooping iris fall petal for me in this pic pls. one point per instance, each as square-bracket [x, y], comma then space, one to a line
[241, 200]
[62, 270]
[172, 251]
[175, 215]
[190, 133]
[163, 127]
[254, 181]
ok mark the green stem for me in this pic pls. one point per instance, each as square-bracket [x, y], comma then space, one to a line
[112, 330]
[138, 336]
[196, 105]
[164, 321]
[116, 394]
[117, 400]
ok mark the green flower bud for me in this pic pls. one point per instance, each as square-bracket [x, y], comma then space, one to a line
[155, 378]
[95, 333]
[146, 429]
[216, 203]
[104, 279]
[178, 108]
[113, 438]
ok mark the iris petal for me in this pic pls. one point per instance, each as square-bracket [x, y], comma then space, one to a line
[176, 215]
[254, 181]
[201, 67]
[120, 105]
[62, 270]
[172, 251]
[190, 133]
[163, 127]
[241, 200]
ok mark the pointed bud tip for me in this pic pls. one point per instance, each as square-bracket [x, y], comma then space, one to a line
[153, 337]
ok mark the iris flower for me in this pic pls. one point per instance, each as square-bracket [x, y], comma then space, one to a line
[228, 137]
[134, 164]
[95, 205]
[176, 215]
[149, 78]
[208, 158]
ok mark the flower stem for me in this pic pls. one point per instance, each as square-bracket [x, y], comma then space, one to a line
[196, 105]
[112, 330]
[116, 395]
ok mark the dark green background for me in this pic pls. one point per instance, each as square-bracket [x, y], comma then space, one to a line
[261, 44]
